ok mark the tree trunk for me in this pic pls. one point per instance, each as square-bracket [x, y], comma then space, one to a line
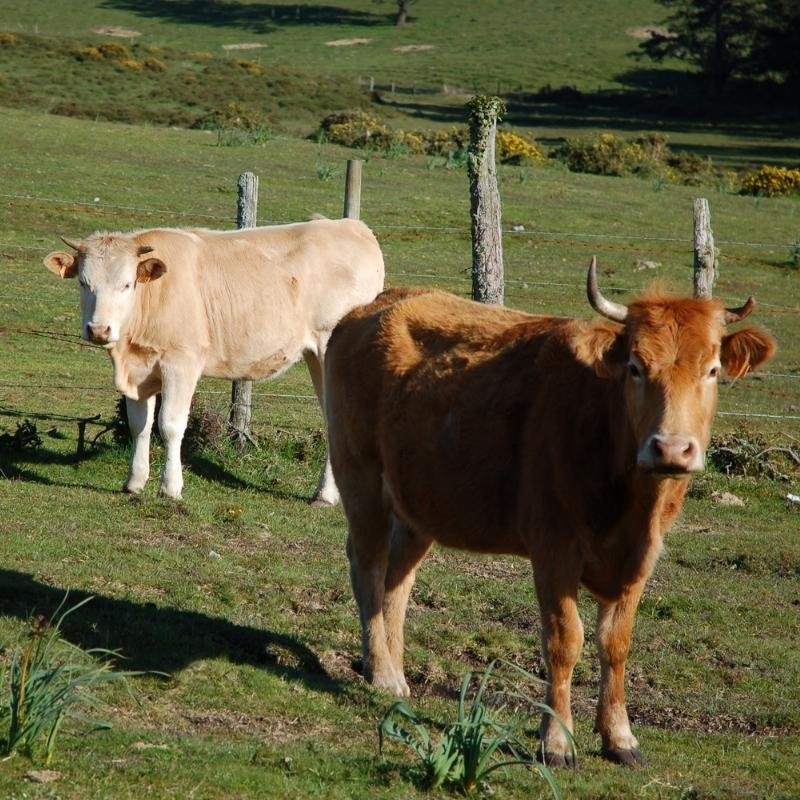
[402, 13]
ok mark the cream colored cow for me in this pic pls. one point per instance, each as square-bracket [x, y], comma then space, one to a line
[172, 305]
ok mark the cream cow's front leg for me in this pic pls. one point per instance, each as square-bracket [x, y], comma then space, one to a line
[140, 422]
[178, 385]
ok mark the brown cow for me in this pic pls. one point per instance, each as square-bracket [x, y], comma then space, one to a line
[568, 441]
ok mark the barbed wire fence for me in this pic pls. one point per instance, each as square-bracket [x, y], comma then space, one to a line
[521, 281]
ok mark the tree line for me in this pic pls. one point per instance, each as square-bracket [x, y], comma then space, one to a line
[732, 39]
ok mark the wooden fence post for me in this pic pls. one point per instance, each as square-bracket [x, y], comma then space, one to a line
[487, 238]
[242, 391]
[352, 189]
[705, 256]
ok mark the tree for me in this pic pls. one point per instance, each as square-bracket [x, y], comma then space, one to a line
[402, 11]
[717, 36]
[776, 46]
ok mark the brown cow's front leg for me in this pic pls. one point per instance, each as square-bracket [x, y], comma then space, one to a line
[614, 626]
[407, 549]
[562, 641]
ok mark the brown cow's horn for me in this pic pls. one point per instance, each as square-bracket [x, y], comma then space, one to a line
[144, 249]
[615, 311]
[70, 243]
[737, 314]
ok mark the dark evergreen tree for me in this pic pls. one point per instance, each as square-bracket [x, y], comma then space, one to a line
[716, 36]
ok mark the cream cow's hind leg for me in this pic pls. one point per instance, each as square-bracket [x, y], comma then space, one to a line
[140, 422]
[326, 493]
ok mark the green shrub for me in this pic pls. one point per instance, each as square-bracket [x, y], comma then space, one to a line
[365, 130]
[647, 156]
[771, 182]
[512, 148]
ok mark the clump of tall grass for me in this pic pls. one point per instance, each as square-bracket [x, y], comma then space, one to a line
[478, 742]
[49, 681]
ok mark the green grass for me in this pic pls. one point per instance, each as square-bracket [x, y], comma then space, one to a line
[177, 72]
[516, 43]
[263, 699]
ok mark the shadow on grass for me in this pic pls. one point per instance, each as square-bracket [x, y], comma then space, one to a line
[657, 99]
[252, 17]
[19, 463]
[159, 639]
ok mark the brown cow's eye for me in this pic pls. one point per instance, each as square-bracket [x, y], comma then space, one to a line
[635, 371]
[713, 372]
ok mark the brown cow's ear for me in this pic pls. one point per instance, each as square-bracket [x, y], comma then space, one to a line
[62, 264]
[602, 347]
[150, 269]
[745, 350]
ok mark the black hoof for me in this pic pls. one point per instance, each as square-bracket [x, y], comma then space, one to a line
[558, 759]
[628, 758]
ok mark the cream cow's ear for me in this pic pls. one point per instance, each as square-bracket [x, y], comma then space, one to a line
[62, 264]
[150, 269]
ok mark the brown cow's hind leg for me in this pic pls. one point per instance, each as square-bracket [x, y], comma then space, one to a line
[562, 641]
[406, 550]
[368, 551]
[614, 626]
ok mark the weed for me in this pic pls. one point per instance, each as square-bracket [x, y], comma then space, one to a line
[749, 454]
[794, 254]
[325, 172]
[243, 136]
[49, 681]
[456, 159]
[26, 436]
[472, 747]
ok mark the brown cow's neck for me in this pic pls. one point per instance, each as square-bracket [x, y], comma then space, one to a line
[635, 511]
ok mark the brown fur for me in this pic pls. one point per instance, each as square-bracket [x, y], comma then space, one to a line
[495, 431]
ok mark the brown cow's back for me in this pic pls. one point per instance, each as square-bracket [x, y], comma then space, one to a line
[470, 386]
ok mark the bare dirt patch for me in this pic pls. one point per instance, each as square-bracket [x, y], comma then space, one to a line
[649, 31]
[115, 30]
[413, 48]
[243, 46]
[347, 42]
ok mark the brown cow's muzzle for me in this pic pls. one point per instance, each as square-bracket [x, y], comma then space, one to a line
[671, 455]
[99, 334]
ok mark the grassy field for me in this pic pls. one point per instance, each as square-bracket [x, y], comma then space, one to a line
[262, 697]
[176, 71]
[517, 43]
[239, 597]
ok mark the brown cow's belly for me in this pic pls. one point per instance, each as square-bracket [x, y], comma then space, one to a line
[452, 521]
